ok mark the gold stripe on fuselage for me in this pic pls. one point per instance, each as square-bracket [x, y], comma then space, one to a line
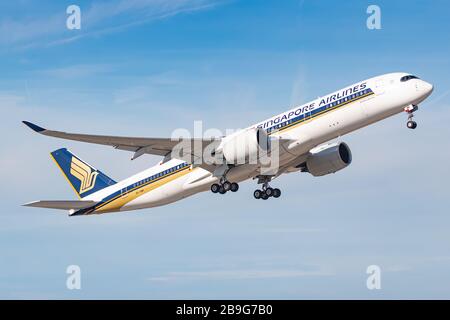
[119, 201]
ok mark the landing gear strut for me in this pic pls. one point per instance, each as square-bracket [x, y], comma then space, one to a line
[411, 124]
[266, 191]
[224, 186]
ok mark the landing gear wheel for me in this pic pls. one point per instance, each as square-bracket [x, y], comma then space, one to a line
[227, 186]
[222, 190]
[411, 124]
[257, 194]
[276, 193]
[234, 187]
[269, 192]
[215, 188]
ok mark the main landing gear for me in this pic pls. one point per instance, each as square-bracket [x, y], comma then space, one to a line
[224, 186]
[266, 191]
[411, 124]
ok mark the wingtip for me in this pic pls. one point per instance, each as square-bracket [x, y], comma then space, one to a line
[33, 127]
[29, 204]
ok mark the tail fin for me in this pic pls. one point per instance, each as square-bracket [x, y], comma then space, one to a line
[83, 178]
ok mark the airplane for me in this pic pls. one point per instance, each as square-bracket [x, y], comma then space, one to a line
[302, 137]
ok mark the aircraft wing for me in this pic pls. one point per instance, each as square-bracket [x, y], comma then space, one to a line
[61, 204]
[138, 145]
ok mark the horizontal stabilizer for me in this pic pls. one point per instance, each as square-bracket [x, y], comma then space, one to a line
[61, 204]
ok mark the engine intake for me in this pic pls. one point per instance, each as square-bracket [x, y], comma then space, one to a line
[328, 159]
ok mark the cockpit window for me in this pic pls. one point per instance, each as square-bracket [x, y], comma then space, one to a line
[408, 77]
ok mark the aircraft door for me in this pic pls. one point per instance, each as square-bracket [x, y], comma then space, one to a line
[123, 192]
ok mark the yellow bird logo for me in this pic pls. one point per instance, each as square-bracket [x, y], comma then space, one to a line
[84, 173]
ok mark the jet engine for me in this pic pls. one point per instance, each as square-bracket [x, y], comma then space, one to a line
[328, 159]
[244, 146]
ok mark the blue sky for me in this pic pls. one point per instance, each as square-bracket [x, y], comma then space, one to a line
[147, 67]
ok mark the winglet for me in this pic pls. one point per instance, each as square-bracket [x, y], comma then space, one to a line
[33, 127]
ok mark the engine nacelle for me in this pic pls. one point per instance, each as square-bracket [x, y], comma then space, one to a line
[328, 159]
[244, 146]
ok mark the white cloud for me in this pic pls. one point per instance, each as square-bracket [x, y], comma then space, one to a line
[13, 32]
[8, 100]
[76, 71]
[296, 230]
[99, 18]
[239, 274]
[398, 268]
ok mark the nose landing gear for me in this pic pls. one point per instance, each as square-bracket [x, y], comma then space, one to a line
[411, 124]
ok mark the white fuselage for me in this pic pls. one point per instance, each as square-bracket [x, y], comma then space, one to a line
[307, 126]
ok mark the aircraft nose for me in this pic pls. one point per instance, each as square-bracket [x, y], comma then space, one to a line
[428, 87]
